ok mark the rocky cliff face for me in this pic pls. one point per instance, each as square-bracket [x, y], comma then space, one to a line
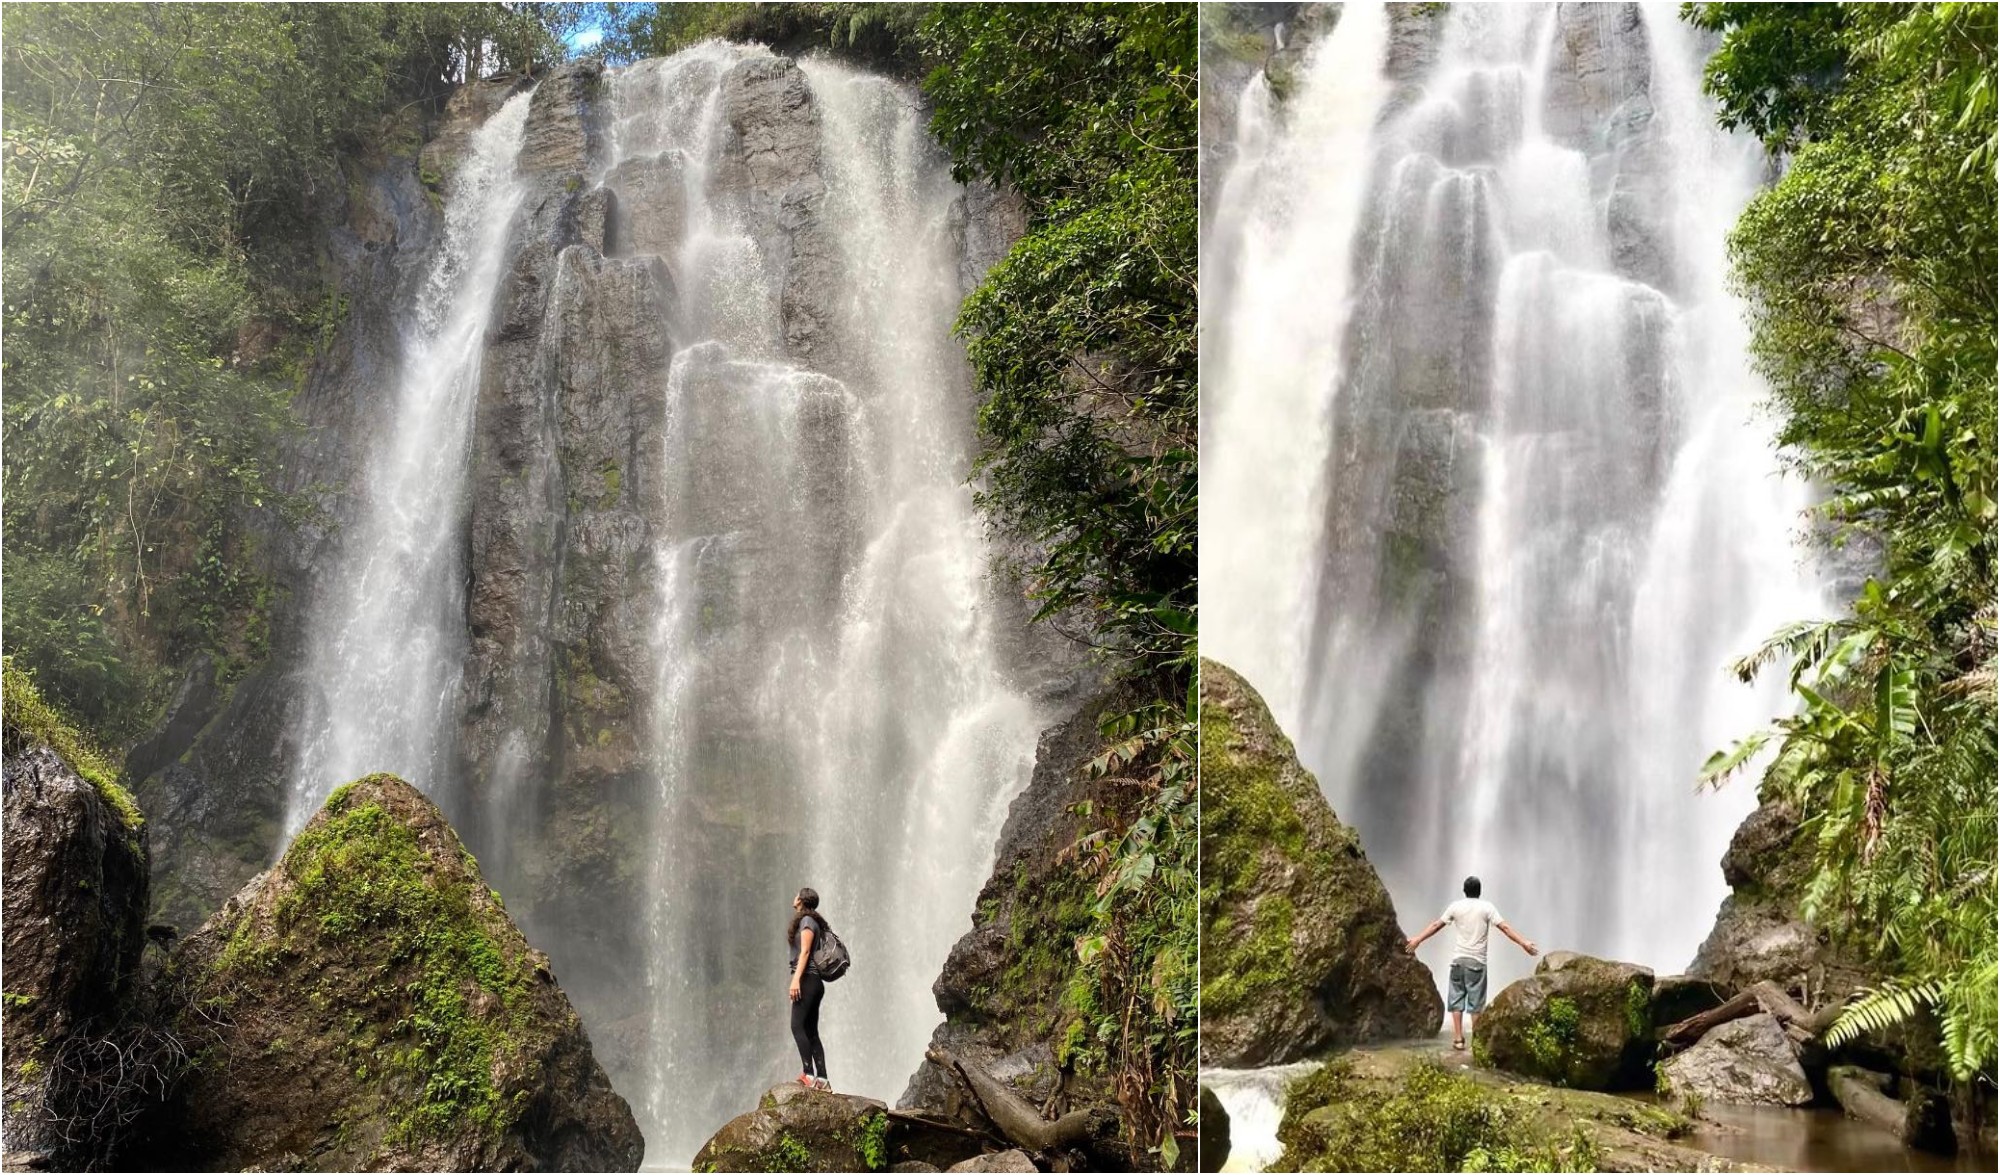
[1301, 949]
[367, 1004]
[213, 774]
[74, 889]
[1002, 989]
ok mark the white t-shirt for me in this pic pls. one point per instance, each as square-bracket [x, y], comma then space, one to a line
[1470, 919]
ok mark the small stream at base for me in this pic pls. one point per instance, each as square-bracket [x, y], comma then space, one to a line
[1814, 1139]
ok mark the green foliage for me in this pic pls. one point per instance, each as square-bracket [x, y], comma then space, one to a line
[1083, 338]
[1638, 1011]
[165, 180]
[789, 1153]
[881, 36]
[1434, 1120]
[1552, 1035]
[29, 720]
[1135, 992]
[874, 1143]
[1870, 271]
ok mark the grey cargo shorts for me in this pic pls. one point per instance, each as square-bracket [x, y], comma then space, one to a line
[1468, 986]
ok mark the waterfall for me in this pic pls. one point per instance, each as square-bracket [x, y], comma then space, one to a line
[1254, 1099]
[386, 637]
[829, 711]
[663, 574]
[1498, 502]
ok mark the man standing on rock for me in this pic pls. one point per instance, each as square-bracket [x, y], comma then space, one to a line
[1471, 917]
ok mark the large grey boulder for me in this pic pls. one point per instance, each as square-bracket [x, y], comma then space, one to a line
[1744, 1062]
[1301, 948]
[1759, 933]
[1014, 1160]
[1578, 1021]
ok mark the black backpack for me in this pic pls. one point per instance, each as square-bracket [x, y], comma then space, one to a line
[829, 954]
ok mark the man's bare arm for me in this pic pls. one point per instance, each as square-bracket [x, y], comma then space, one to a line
[1433, 928]
[1523, 943]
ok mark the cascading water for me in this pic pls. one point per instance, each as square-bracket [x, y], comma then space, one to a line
[386, 640]
[663, 575]
[1254, 1099]
[1484, 450]
[829, 709]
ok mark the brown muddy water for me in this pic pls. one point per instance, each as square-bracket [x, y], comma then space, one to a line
[1813, 1140]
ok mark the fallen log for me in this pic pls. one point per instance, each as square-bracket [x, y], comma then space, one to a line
[1013, 1115]
[1801, 1025]
[1859, 1092]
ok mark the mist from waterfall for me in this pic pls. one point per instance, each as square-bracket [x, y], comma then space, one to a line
[387, 635]
[1484, 448]
[829, 709]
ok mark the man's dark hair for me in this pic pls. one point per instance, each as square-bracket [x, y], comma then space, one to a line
[1472, 887]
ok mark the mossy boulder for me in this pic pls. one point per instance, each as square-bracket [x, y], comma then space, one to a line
[798, 1129]
[367, 1004]
[75, 895]
[1578, 1021]
[1419, 1108]
[1301, 949]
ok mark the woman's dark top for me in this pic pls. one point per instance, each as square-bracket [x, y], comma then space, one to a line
[806, 923]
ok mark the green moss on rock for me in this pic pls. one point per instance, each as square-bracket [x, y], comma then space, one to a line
[1301, 948]
[1577, 1021]
[385, 1010]
[28, 719]
[1430, 1119]
[1415, 1108]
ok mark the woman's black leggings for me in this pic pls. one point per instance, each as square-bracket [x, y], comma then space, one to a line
[805, 1025]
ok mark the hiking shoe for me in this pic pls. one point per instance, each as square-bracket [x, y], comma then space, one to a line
[809, 1081]
[822, 1084]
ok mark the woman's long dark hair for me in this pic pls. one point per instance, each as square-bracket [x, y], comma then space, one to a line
[808, 898]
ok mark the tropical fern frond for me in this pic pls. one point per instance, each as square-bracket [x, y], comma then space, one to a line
[1802, 642]
[1883, 1007]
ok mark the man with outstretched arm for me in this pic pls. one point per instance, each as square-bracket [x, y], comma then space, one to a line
[1470, 917]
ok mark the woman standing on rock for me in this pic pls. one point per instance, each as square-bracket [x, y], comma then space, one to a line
[808, 988]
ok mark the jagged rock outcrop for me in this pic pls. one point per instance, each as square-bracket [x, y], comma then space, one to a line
[1579, 1022]
[1301, 949]
[1744, 1062]
[367, 1004]
[1759, 933]
[75, 900]
[1002, 987]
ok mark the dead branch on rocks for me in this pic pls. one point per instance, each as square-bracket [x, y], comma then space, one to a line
[1800, 1024]
[1011, 1114]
